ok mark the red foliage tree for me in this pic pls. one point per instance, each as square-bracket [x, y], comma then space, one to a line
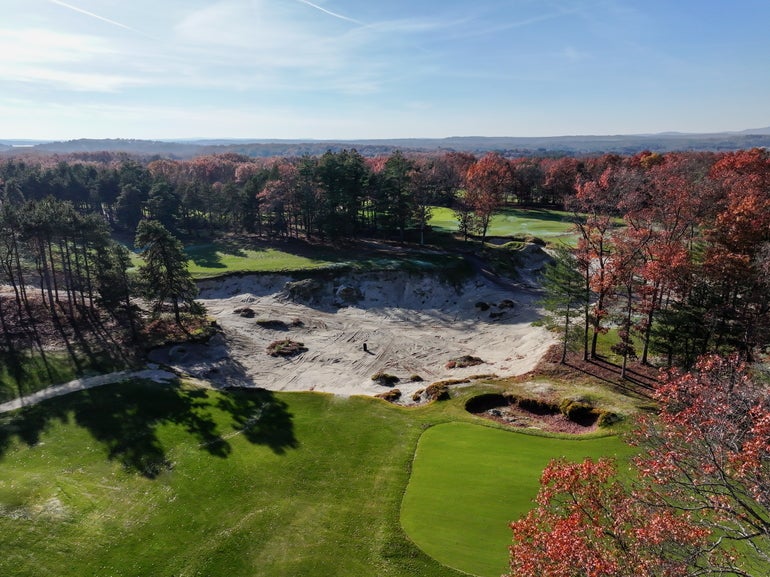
[697, 502]
[487, 181]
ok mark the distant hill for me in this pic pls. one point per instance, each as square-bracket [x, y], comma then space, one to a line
[511, 146]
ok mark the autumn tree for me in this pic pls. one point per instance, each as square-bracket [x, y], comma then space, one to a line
[588, 523]
[487, 182]
[697, 501]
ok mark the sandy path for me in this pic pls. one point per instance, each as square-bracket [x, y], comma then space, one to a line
[411, 324]
[85, 383]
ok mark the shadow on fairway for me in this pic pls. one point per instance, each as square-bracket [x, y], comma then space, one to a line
[126, 418]
[210, 255]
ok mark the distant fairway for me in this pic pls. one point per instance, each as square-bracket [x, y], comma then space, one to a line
[550, 225]
[469, 481]
[217, 258]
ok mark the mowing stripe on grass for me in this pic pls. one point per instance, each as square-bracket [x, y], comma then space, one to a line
[469, 481]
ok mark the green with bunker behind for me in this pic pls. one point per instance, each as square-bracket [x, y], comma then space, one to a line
[143, 478]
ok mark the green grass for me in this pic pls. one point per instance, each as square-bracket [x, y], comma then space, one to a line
[140, 479]
[468, 482]
[147, 479]
[553, 226]
[213, 259]
[29, 372]
[218, 258]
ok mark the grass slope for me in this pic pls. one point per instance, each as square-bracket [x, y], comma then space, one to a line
[142, 479]
[468, 482]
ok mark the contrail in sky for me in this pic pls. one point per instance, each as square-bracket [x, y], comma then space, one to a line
[92, 15]
[329, 12]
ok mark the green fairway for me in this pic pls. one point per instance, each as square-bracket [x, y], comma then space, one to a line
[468, 482]
[142, 479]
[213, 259]
[550, 225]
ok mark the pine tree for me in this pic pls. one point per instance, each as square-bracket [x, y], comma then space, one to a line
[565, 294]
[164, 276]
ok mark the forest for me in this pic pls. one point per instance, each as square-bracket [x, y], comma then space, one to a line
[673, 248]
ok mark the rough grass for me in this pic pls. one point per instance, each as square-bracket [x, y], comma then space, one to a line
[469, 481]
[213, 259]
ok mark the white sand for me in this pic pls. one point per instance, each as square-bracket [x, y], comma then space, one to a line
[412, 324]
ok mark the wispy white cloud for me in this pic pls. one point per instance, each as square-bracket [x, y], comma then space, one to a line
[96, 16]
[330, 13]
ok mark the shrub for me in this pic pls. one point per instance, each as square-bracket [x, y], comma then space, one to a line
[608, 418]
[272, 324]
[506, 304]
[285, 348]
[437, 391]
[391, 396]
[482, 306]
[416, 378]
[385, 379]
[538, 406]
[246, 312]
[463, 361]
[303, 290]
[579, 411]
[417, 395]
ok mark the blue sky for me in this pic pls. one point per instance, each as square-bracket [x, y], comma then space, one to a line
[345, 69]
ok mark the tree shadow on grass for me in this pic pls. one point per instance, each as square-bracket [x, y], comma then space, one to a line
[263, 419]
[125, 419]
[210, 255]
[205, 256]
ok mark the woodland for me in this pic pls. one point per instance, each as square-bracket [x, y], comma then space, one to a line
[672, 253]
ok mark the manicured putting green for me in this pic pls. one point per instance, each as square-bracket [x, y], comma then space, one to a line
[469, 481]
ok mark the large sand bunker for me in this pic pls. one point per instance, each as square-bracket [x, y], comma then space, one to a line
[410, 324]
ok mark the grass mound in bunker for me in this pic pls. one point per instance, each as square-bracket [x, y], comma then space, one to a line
[285, 348]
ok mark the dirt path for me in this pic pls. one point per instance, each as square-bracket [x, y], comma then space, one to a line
[85, 383]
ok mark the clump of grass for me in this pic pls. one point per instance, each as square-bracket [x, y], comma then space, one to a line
[285, 348]
[463, 361]
[438, 391]
[391, 396]
[385, 379]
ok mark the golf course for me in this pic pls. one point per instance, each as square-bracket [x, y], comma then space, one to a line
[252, 465]
[142, 478]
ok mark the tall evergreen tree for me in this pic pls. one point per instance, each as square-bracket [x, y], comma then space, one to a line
[164, 276]
[565, 294]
